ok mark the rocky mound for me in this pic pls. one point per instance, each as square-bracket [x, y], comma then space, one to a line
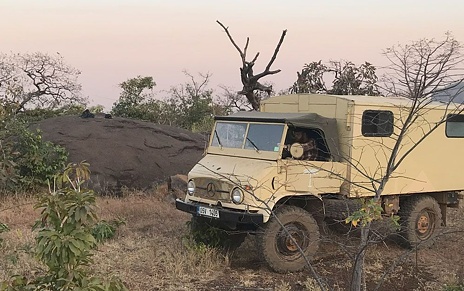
[125, 152]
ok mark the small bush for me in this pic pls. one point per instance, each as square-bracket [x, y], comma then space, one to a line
[203, 233]
[105, 230]
[27, 161]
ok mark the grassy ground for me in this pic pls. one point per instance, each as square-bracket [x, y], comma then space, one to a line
[149, 253]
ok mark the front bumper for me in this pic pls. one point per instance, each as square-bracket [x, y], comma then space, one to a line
[225, 215]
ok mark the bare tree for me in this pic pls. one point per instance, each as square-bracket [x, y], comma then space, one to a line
[419, 71]
[424, 68]
[234, 101]
[250, 81]
[37, 80]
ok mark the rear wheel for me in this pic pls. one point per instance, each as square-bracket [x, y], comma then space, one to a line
[421, 220]
[281, 252]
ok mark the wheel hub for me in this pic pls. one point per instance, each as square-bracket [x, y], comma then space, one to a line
[423, 224]
[288, 241]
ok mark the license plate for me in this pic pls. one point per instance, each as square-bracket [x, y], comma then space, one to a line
[205, 211]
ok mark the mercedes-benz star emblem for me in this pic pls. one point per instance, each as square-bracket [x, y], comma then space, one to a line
[211, 189]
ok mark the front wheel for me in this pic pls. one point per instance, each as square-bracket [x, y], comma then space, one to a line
[421, 220]
[281, 252]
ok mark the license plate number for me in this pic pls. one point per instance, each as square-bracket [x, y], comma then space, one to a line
[205, 211]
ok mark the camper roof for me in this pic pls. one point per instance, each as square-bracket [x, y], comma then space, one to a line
[357, 99]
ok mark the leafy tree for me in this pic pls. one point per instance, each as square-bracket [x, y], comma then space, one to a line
[37, 80]
[191, 103]
[250, 81]
[188, 105]
[348, 79]
[134, 94]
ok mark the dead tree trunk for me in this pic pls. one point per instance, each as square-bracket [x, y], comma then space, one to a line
[250, 81]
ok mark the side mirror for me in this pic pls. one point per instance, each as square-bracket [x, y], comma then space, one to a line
[296, 150]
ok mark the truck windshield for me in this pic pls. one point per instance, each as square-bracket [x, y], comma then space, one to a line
[259, 137]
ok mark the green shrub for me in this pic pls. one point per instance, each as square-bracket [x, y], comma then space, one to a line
[27, 160]
[64, 238]
[205, 234]
[9, 173]
[105, 230]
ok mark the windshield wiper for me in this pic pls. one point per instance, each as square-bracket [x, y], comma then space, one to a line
[253, 144]
[217, 137]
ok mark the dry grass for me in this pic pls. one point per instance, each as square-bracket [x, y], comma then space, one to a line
[15, 252]
[149, 252]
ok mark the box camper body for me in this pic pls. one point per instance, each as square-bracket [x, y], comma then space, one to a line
[432, 166]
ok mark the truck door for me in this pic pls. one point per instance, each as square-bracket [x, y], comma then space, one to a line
[315, 177]
[314, 171]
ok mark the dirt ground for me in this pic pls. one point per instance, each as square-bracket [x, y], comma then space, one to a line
[150, 252]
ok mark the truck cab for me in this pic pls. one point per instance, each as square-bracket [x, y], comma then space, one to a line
[253, 164]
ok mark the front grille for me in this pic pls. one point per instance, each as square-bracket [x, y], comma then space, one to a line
[213, 189]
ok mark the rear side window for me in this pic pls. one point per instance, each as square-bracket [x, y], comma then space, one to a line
[377, 123]
[455, 125]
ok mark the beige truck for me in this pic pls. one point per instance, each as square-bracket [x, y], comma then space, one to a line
[253, 173]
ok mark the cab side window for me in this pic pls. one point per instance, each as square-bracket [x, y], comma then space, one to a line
[323, 153]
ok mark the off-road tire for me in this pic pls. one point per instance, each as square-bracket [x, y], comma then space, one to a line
[420, 220]
[277, 248]
[206, 231]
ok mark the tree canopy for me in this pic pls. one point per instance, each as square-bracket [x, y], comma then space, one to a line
[135, 93]
[189, 105]
[348, 79]
[37, 80]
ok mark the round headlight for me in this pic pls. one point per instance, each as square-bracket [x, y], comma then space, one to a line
[191, 187]
[237, 196]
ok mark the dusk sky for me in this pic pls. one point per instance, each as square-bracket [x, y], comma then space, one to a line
[112, 41]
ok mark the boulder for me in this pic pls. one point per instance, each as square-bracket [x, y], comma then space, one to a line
[125, 152]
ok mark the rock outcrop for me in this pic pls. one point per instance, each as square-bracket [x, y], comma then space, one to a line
[124, 152]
